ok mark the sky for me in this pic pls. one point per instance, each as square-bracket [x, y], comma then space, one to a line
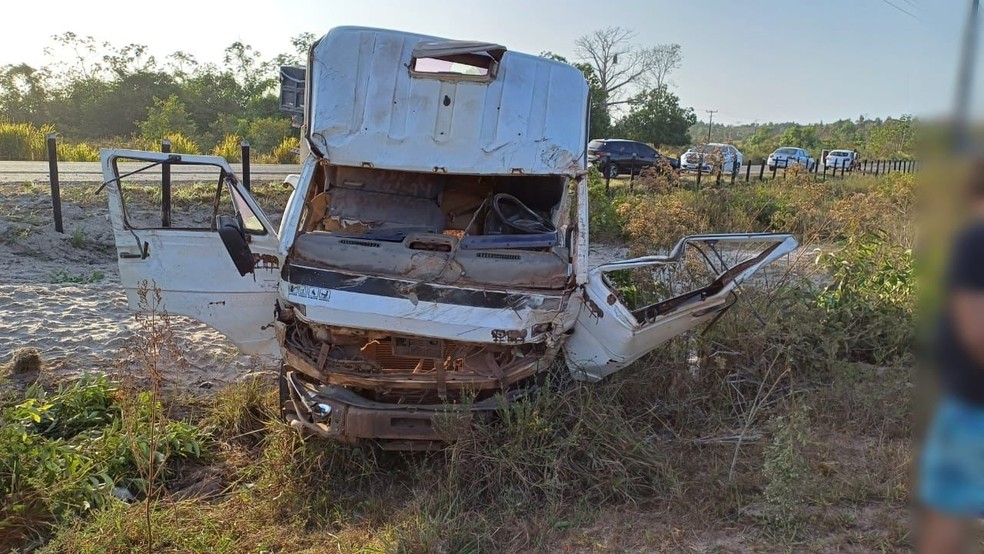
[754, 61]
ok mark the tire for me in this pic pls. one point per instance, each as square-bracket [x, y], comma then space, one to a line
[612, 170]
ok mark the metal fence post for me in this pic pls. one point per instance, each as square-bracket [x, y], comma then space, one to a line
[762, 171]
[877, 167]
[632, 170]
[748, 172]
[774, 169]
[245, 157]
[166, 186]
[700, 169]
[608, 174]
[53, 179]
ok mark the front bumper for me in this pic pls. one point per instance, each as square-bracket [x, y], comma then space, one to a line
[693, 166]
[337, 413]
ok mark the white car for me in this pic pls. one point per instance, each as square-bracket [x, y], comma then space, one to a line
[840, 159]
[712, 156]
[786, 156]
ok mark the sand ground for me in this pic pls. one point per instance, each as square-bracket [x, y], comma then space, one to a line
[60, 293]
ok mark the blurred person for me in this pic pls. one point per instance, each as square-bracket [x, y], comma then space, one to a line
[951, 473]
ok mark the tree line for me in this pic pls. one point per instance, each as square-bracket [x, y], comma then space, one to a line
[890, 138]
[97, 92]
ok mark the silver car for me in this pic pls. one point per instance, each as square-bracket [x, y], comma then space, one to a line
[787, 156]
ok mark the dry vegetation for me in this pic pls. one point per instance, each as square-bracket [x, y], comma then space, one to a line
[787, 435]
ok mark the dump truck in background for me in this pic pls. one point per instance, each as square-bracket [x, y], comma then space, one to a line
[431, 264]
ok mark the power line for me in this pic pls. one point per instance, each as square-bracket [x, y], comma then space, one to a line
[906, 12]
[913, 3]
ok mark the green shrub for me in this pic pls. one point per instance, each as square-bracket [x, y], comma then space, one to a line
[266, 134]
[166, 117]
[787, 470]
[870, 305]
[80, 152]
[181, 144]
[63, 452]
[654, 222]
[285, 152]
[230, 148]
[604, 220]
[23, 141]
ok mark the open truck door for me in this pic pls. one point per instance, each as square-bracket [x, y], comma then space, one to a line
[609, 333]
[217, 264]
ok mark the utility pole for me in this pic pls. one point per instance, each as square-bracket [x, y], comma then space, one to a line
[710, 123]
[965, 80]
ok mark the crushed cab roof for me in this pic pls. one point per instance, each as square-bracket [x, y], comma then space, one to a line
[368, 107]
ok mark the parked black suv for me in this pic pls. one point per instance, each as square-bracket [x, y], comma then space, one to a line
[616, 156]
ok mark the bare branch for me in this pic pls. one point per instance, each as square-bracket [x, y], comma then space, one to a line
[665, 59]
[624, 68]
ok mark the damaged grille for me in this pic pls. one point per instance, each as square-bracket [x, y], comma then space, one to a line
[410, 369]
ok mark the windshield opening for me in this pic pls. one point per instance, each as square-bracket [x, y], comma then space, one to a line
[503, 230]
[476, 65]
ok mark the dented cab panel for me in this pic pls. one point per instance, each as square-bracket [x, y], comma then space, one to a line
[421, 103]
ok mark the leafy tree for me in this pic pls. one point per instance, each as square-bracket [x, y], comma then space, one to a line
[655, 116]
[893, 139]
[23, 93]
[302, 43]
[246, 64]
[800, 136]
[166, 117]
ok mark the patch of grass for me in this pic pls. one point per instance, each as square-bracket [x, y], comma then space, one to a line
[60, 276]
[786, 433]
[77, 239]
[63, 452]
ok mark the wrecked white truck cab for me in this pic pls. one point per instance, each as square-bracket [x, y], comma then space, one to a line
[431, 263]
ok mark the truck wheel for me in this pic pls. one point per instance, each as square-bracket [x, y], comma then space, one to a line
[612, 170]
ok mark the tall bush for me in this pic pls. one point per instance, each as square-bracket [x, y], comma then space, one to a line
[229, 148]
[23, 141]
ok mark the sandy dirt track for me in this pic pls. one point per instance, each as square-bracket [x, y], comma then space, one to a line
[60, 293]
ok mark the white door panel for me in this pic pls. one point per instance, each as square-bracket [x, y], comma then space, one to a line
[609, 336]
[192, 268]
